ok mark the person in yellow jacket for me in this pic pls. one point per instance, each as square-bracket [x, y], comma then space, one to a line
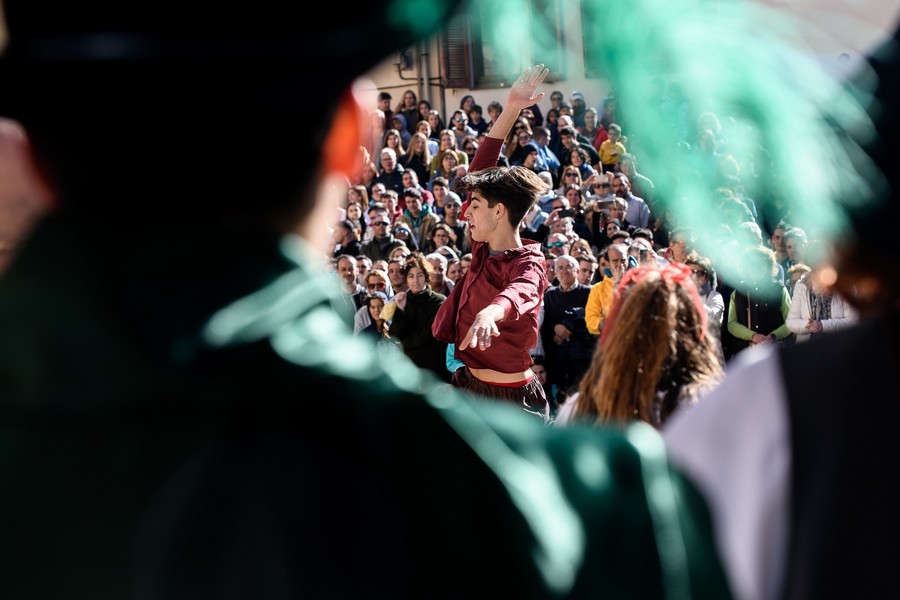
[600, 300]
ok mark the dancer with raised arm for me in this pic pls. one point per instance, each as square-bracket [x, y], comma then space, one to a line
[491, 315]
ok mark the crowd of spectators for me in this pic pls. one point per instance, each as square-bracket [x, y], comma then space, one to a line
[602, 216]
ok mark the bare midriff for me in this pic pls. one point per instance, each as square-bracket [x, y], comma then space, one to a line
[492, 376]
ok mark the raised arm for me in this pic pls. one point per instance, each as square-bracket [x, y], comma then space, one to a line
[522, 94]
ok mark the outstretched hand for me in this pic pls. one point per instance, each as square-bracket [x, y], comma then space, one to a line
[523, 92]
[483, 328]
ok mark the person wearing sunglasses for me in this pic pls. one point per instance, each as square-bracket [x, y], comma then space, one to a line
[558, 244]
[376, 281]
[383, 241]
[460, 127]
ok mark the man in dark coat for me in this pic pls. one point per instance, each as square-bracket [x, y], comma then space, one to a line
[183, 414]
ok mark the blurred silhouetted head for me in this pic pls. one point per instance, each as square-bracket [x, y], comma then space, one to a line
[181, 110]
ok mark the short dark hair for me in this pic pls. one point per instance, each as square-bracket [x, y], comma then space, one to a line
[412, 192]
[643, 232]
[620, 235]
[567, 131]
[517, 188]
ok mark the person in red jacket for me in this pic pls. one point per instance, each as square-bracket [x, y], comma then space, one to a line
[491, 315]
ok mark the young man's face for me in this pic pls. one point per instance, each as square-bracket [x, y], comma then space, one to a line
[483, 222]
[362, 270]
[464, 265]
[395, 274]
[585, 272]
[390, 199]
[439, 192]
[414, 205]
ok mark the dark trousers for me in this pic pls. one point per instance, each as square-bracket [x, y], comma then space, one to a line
[529, 397]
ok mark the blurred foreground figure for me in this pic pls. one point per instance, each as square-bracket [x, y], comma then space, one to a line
[167, 342]
[796, 450]
[22, 197]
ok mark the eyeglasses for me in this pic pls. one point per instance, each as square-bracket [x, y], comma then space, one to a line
[441, 235]
[377, 286]
[555, 244]
[571, 174]
[458, 120]
[380, 224]
[600, 185]
[401, 231]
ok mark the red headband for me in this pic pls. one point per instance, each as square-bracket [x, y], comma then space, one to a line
[674, 274]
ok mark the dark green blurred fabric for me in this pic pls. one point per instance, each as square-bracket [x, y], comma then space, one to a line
[182, 415]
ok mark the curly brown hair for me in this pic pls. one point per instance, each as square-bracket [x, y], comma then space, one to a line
[417, 259]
